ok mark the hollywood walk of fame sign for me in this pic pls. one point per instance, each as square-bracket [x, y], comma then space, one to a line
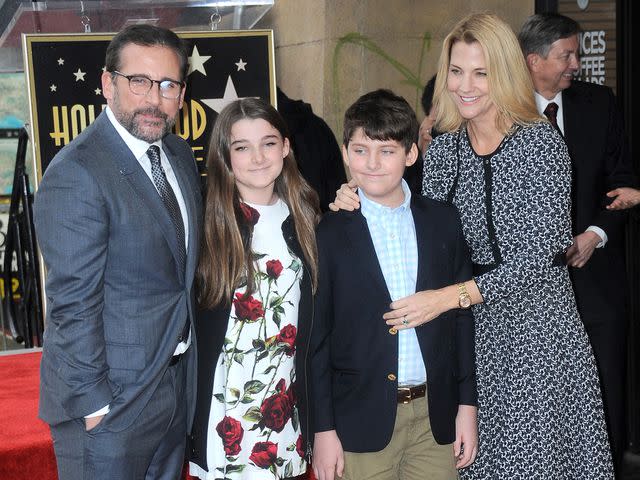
[65, 91]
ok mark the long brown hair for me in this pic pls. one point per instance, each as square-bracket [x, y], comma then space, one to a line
[226, 260]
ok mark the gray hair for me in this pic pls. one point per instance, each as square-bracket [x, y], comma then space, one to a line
[540, 31]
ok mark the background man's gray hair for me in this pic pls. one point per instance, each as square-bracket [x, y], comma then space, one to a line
[540, 31]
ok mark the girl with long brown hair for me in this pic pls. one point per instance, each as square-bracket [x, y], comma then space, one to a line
[256, 277]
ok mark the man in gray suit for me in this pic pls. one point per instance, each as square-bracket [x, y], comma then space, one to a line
[117, 217]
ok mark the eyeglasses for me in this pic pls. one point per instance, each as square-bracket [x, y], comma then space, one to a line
[139, 85]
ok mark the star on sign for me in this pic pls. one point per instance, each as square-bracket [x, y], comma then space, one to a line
[240, 64]
[196, 61]
[98, 91]
[61, 61]
[79, 75]
[230, 94]
[53, 88]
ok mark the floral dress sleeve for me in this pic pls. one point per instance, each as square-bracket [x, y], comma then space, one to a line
[532, 236]
[440, 167]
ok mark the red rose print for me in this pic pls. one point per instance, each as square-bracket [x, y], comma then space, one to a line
[248, 308]
[274, 269]
[276, 409]
[264, 454]
[231, 432]
[250, 214]
[300, 446]
[288, 335]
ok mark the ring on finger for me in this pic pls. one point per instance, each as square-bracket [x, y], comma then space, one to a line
[405, 322]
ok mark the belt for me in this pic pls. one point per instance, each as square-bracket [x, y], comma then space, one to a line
[175, 359]
[406, 394]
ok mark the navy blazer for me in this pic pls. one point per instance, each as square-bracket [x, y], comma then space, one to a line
[211, 328]
[594, 134]
[354, 361]
[117, 300]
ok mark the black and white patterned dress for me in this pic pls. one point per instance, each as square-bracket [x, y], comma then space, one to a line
[540, 411]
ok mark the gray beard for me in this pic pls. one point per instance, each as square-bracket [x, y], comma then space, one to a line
[130, 122]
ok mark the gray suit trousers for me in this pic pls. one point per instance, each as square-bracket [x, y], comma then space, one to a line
[152, 448]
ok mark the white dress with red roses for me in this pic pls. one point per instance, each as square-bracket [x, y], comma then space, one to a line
[254, 431]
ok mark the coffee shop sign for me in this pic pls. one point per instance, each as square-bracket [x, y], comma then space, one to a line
[592, 56]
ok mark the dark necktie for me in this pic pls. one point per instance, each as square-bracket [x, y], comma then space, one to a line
[168, 198]
[552, 114]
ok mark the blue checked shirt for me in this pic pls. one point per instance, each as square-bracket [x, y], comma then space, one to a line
[394, 238]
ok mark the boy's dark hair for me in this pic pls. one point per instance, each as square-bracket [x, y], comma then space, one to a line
[382, 115]
[540, 31]
[146, 36]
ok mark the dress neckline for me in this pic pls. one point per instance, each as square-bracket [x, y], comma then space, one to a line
[510, 134]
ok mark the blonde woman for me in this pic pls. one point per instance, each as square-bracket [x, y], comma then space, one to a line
[508, 171]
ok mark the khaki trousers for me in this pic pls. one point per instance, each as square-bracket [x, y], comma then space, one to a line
[412, 453]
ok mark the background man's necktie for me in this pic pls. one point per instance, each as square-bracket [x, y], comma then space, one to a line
[552, 114]
[168, 198]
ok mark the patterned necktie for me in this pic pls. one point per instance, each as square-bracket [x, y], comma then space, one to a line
[552, 114]
[168, 198]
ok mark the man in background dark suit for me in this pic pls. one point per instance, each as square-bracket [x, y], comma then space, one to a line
[117, 216]
[314, 145]
[587, 116]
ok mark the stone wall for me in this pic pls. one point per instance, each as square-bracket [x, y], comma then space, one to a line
[306, 34]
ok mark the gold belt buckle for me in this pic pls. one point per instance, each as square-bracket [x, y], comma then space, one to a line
[406, 393]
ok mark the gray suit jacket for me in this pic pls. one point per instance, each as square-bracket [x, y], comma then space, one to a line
[116, 299]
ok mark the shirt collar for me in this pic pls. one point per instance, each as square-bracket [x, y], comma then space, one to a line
[542, 102]
[138, 147]
[369, 208]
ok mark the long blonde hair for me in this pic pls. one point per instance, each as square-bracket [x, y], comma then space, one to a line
[226, 258]
[510, 85]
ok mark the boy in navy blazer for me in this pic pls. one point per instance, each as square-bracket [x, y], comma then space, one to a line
[390, 402]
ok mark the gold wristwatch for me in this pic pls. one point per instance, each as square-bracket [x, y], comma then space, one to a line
[464, 300]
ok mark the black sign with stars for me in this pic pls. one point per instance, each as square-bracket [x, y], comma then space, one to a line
[65, 91]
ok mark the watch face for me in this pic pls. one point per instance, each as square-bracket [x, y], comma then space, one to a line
[465, 301]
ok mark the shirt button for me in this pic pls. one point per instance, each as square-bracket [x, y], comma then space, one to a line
[391, 377]
[393, 235]
[393, 331]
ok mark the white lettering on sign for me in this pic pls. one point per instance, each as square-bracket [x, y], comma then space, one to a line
[593, 46]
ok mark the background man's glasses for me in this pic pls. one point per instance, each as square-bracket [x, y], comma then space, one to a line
[140, 85]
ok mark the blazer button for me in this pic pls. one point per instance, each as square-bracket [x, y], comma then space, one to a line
[393, 331]
[391, 377]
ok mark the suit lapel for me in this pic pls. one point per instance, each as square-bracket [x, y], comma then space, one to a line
[363, 251]
[189, 192]
[571, 117]
[426, 240]
[132, 172]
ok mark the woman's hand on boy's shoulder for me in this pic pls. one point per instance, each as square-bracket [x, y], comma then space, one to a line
[346, 197]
